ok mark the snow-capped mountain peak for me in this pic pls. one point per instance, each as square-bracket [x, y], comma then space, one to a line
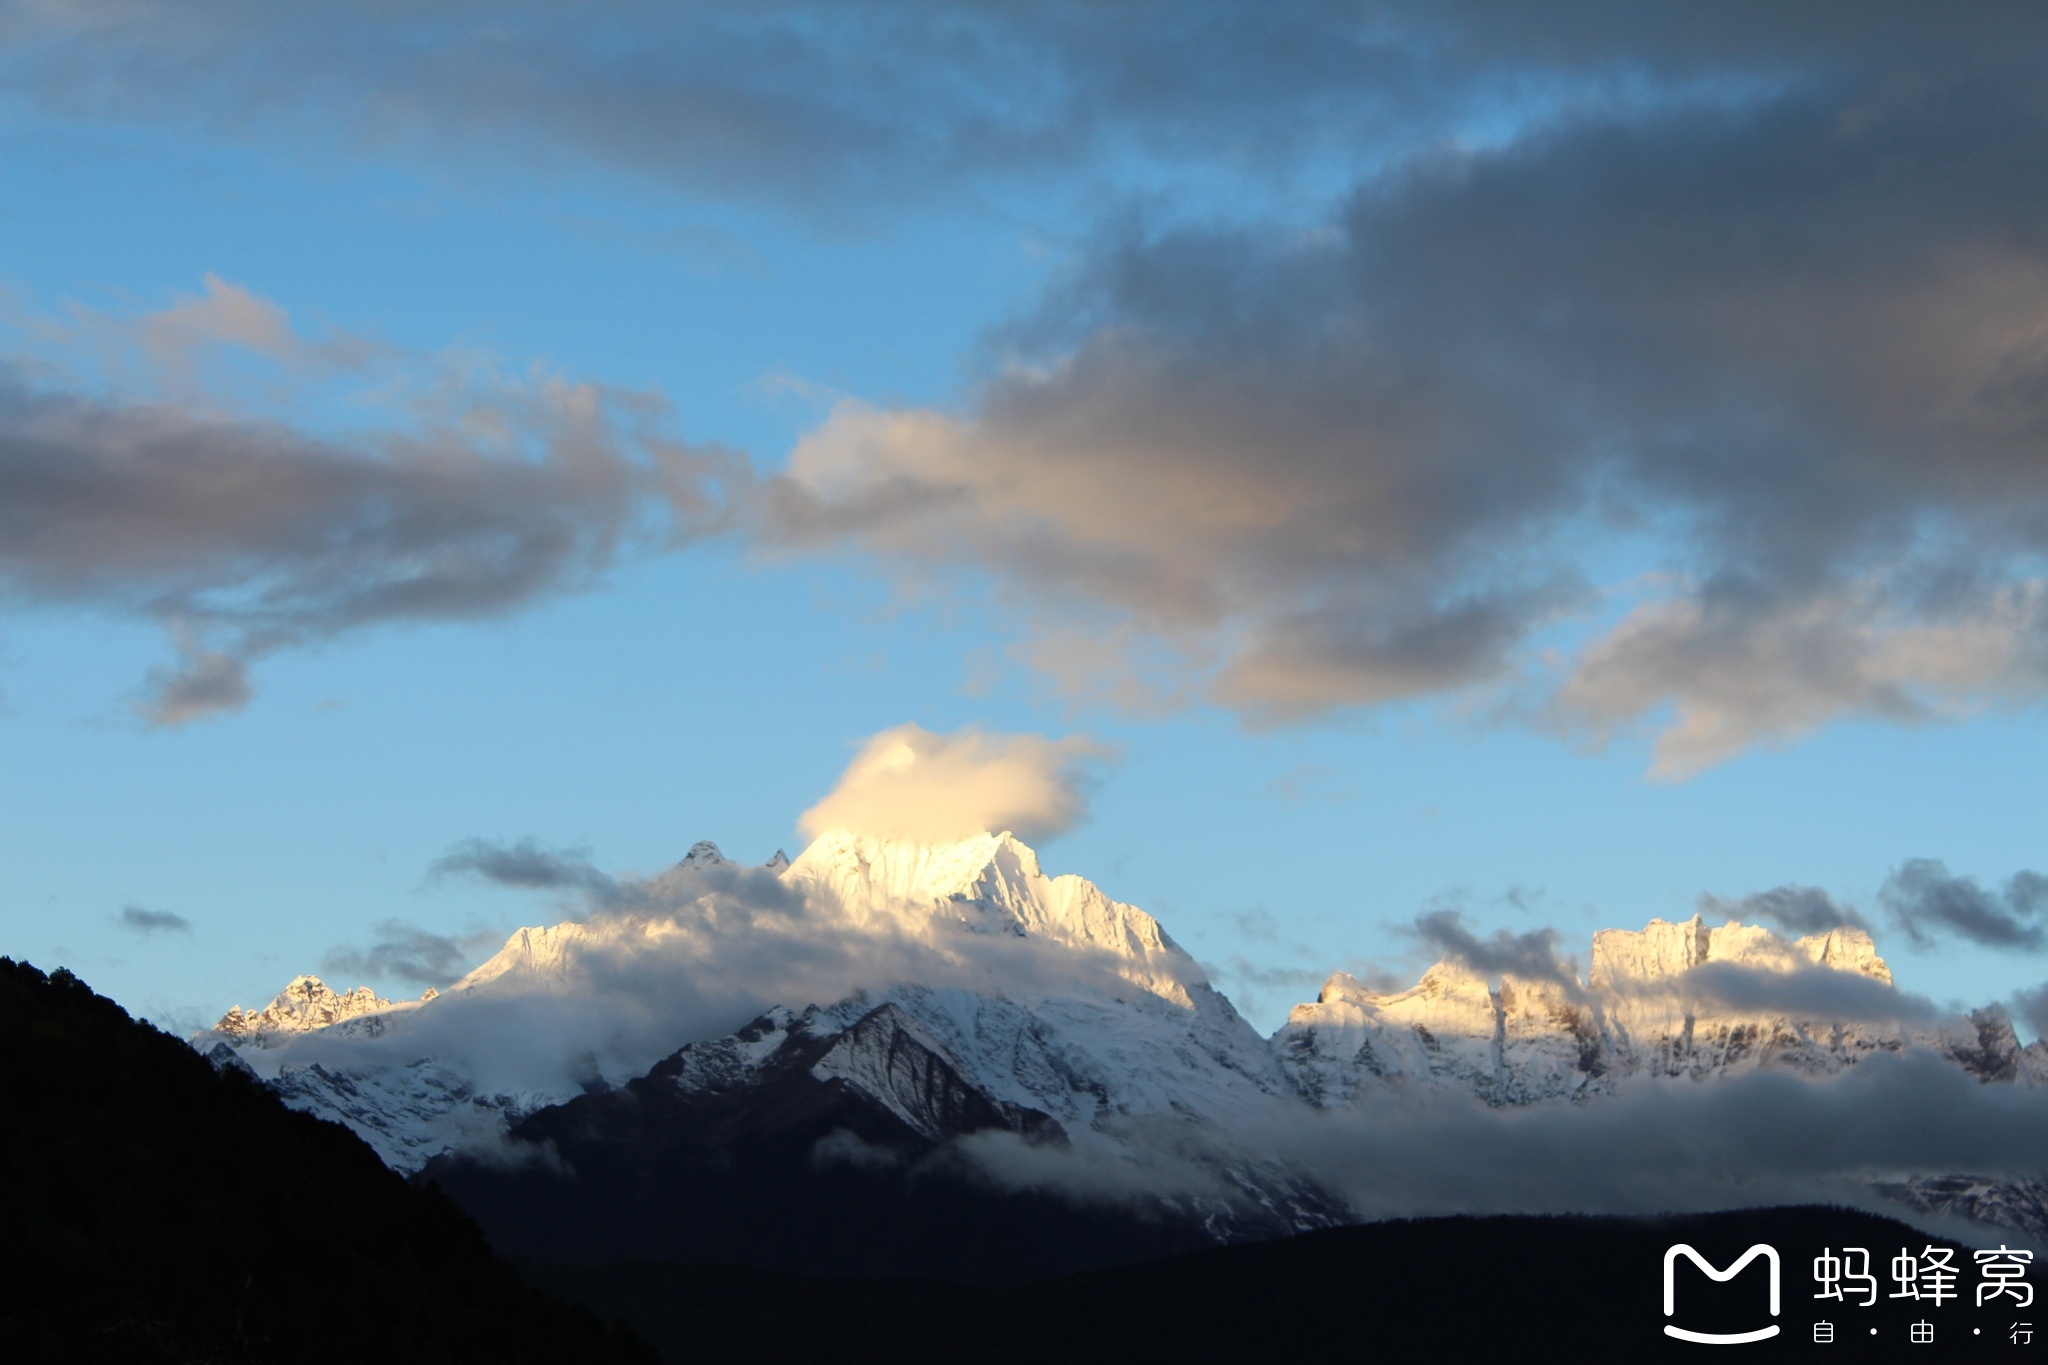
[703, 853]
[1669, 999]
[1048, 993]
[953, 981]
[992, 883]
[1663, 951]
[305, 1004]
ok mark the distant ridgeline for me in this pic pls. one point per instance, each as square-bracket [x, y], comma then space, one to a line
[161, 1209]
[158, 1209]
[1005, 1023]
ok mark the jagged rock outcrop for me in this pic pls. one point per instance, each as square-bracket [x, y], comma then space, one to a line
[784, 1140]
[305, 1004]
[1645, 1009]
[998, 998]
[1059, 999]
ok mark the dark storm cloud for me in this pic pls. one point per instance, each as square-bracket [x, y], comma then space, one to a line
[1795, 909]
[405, 952]
[243, 535]
[142, 921]
[1931, 905]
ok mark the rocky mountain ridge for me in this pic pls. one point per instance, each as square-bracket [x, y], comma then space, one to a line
[305, 1004]
[1060, 1014]
[1525, 1041]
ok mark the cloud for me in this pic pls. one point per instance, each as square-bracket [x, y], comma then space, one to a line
[1795, 990]
[857, 111]
[1764, 1138]
[650, 963]
[908, 783]
[1772, 343]
[527, 865]
[2031, 1005]
[833, 111]
[1800, 993]
[1741, 666]
[205, 682]
[1795, 909]
[1759, 1139]
[1531, 956]
[1674, 372]
[1310, 782]
[141, 921]
[242, 534]
[405, 952]
[1929, 904]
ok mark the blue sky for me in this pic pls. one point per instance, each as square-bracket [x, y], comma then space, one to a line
[1382, 436]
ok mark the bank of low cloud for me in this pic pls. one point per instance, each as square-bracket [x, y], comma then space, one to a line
[1762, 1138]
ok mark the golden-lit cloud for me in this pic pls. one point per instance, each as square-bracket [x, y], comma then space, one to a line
[908, 783]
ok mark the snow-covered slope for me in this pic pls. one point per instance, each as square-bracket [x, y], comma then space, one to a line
[1083, 1006]
[1648, 1009]
[305, 1004]
[1048, 994]
[937, 982]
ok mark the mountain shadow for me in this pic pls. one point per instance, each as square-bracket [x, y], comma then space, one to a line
[158, 1209]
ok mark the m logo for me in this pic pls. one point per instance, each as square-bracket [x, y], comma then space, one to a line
[1671, 1256]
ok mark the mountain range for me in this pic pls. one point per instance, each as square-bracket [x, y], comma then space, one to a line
[753, 1064]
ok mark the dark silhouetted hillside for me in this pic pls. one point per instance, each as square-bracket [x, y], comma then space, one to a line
[1579, 1289]
[158, 1210]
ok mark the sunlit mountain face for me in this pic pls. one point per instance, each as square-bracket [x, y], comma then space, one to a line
[970, 1044]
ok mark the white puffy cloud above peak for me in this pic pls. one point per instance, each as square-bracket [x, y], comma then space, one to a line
[909, 783]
